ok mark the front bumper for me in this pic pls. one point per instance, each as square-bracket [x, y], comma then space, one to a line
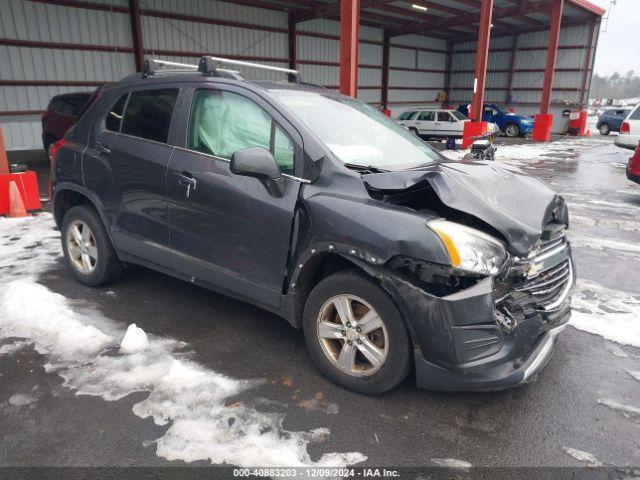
[470, 340]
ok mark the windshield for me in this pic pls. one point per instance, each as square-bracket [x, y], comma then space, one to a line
[458, 115]
[356, 133]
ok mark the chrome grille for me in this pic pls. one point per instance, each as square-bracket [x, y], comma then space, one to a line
[548, 284]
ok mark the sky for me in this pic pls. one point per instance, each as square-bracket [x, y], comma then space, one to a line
[616, 47]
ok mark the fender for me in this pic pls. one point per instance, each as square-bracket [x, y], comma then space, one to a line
[93, 199]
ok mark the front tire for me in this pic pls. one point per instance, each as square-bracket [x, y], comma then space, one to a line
[87, 247]
[355, 334]
[512, 130]
[605, 129]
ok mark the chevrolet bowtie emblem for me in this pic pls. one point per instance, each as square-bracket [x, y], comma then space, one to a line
[534, 269]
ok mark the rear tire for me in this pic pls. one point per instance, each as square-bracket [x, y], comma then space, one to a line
[87, 247]
[605, 129]
[380, 347]
[512, 130]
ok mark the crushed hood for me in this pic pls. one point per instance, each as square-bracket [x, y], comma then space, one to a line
[515, 204]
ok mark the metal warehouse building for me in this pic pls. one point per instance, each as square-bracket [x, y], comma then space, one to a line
[407, 53]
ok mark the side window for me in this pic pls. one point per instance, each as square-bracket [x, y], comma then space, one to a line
[56, 105]
[114, 117]
[220, 123]
[636, 114]
[406, 115]
[148, 114]
[444, 117]
[426, 116]
[71, 105]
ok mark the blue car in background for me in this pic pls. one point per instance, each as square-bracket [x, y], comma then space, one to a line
[611, 120]
[511, 124]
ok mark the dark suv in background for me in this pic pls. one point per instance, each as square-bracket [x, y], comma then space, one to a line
[321, 209]
[61, 113]
[611, 120]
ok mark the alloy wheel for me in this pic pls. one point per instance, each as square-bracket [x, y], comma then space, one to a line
[81, 245]
[511, 131]
[352, 335]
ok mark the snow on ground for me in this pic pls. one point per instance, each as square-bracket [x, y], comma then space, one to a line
[96, 356]
[530, 153]
[583, 456]
[451, 463]
[628, 411]
[612, 314]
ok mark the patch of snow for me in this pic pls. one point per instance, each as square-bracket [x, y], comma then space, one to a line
[20, 400]
[10, 348]
[451, 463]
[30, 245]
[604, 244]
[582, 456]
[196, 402]
[611, 314]
[628, 411]
[635, 374]
[134, 341]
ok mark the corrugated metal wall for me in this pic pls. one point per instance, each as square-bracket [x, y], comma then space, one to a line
[528, 75]
[81, 48]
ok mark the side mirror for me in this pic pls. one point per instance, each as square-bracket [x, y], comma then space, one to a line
[258, 162]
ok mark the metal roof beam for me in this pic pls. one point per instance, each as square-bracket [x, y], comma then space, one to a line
[330, 9]
[470, 19]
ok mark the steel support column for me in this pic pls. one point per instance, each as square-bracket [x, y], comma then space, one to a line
[482, 55]
[349, 22]
[552, 53]
[136, 34]
[587, 62]
[512, 67]
[293, 48]
[384, 96]
[447, 70]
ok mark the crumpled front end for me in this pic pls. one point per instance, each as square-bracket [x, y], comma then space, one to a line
[496, 333]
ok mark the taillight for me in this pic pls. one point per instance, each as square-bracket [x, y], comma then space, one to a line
[625, 128]
[56, 146]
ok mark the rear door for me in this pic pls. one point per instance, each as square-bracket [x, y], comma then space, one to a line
[125, 164]
[426, 122]
[227, 230]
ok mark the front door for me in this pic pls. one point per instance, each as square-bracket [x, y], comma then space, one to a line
[228, 230]
[446, 126]
[426, 123]
[126, 166]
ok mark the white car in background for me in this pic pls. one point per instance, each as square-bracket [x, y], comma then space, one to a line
[434, 122]
[630, 130]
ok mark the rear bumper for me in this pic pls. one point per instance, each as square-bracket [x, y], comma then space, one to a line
[633, 176]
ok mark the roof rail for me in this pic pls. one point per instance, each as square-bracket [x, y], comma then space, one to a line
[211, 66]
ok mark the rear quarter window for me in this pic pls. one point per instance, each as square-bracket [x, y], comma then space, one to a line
[635, 115]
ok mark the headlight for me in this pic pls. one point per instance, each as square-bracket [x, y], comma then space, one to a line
[470, 249]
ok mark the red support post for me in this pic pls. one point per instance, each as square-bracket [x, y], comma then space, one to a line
[476, 126]
[136, 34]
[293, 48]
[544, 120]
[587, 62]
[4, 164]
[512, 67]
[384, 96]
[349, 22]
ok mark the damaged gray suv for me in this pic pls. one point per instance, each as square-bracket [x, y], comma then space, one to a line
[322, 210]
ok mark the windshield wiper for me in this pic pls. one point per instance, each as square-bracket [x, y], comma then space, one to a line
[365, 168]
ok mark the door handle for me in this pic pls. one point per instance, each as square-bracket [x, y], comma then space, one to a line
[102, 148]
[186, 179]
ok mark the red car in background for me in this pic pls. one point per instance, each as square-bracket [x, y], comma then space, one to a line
[61, 114]
[633, 167]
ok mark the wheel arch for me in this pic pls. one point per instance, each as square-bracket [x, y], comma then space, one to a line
[69, 195]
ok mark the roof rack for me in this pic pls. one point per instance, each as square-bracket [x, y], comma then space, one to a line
[211, 66]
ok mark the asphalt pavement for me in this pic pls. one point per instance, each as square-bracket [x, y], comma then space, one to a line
[535, 425]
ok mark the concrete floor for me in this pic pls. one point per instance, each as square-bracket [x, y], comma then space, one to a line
[529, 426]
